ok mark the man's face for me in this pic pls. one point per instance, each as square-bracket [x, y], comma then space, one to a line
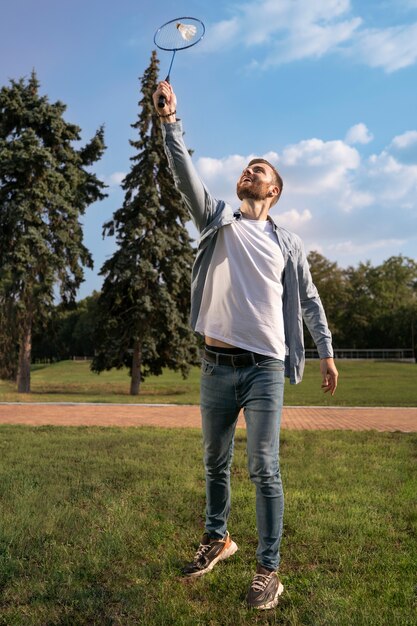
[256, 182]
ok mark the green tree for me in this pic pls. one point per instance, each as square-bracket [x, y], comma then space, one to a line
[82, 340]
[45, 185]
[68, 332]
[381, 304]
[144, 304]
[331, 283]
[394, 282]
[9, 338]
[393, 285]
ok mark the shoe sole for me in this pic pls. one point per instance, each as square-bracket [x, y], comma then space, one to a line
[224, 554]
[273, 603]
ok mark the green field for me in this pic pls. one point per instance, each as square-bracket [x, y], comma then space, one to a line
[96, 523]
[362, 383]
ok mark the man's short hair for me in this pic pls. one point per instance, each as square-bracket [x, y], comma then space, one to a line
[278, 180]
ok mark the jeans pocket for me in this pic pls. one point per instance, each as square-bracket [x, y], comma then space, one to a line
[274, 365]
[207, 368]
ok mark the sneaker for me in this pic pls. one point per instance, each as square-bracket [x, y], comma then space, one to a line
[265, 589]
[210, 552]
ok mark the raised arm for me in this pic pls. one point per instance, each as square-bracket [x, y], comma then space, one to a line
[200, 203]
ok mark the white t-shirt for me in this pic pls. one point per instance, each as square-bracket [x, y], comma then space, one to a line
[242, 298]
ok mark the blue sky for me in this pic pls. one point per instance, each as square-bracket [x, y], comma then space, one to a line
[325, 89]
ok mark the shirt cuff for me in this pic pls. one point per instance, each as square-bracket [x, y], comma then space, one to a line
[170, 130]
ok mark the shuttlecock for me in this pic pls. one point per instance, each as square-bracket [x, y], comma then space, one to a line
[187, 31]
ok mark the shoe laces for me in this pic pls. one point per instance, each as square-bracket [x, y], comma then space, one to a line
[202, 549]
[260, 581]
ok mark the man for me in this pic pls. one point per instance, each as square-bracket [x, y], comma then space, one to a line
[251, 288]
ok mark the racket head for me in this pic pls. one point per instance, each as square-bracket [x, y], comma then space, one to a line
[179, 34]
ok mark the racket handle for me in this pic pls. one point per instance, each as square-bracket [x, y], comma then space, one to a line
[162, 100]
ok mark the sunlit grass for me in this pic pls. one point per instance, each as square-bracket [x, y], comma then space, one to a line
[96, 523]
[362, 383]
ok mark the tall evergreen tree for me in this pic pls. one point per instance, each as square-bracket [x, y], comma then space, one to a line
[45, 185]
[9, 337]
[144, 304]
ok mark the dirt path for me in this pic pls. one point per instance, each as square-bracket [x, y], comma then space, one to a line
[174, 416]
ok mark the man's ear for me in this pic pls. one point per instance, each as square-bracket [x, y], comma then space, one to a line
[274, 191]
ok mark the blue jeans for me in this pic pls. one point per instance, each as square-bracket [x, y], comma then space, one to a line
[259, 390]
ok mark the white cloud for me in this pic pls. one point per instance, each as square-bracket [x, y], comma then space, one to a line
[405, 140]
[115, 179]
[317, 153]
[394, 183]
[293, 219]
[291, 30]
[347, 206]
[358, 133]
[368, 249]
[404, 148]
[315, 168]
[221, 34]
[352, 247]
[232, 165]
[390, 48]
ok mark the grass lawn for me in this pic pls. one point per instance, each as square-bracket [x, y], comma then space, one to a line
[362, 383]
[96, 523]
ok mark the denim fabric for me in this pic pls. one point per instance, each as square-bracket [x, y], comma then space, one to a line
[259, 390]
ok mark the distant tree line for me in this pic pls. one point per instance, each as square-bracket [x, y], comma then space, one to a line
[367, 307]
[69, 331]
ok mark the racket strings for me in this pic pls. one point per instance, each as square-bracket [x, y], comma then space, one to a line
[177, 35]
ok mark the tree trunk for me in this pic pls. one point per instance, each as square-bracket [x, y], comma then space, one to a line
[136, 364]
[25, 353]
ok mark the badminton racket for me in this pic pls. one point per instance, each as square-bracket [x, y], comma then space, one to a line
[178, 34]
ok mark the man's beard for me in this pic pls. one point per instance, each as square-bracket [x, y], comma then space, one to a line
[252, 191]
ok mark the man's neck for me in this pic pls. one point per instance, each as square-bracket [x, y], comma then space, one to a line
[255, 209]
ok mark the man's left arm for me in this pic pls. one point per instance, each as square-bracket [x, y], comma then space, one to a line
[316, 322]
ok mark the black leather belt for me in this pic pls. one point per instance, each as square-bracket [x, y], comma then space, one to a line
[235, 360]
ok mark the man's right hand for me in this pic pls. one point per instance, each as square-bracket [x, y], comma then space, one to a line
[167, 113]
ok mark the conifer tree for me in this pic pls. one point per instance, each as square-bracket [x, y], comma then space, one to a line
[45, 185]
[144, 303]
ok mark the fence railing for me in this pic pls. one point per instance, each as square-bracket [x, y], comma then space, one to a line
[383, 354]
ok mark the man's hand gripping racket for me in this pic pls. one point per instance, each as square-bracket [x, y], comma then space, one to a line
[178, 34]
[165, 91]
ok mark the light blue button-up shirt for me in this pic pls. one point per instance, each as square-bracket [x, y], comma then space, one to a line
[300, 297]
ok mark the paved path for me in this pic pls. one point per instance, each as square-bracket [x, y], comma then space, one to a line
[174, 416]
